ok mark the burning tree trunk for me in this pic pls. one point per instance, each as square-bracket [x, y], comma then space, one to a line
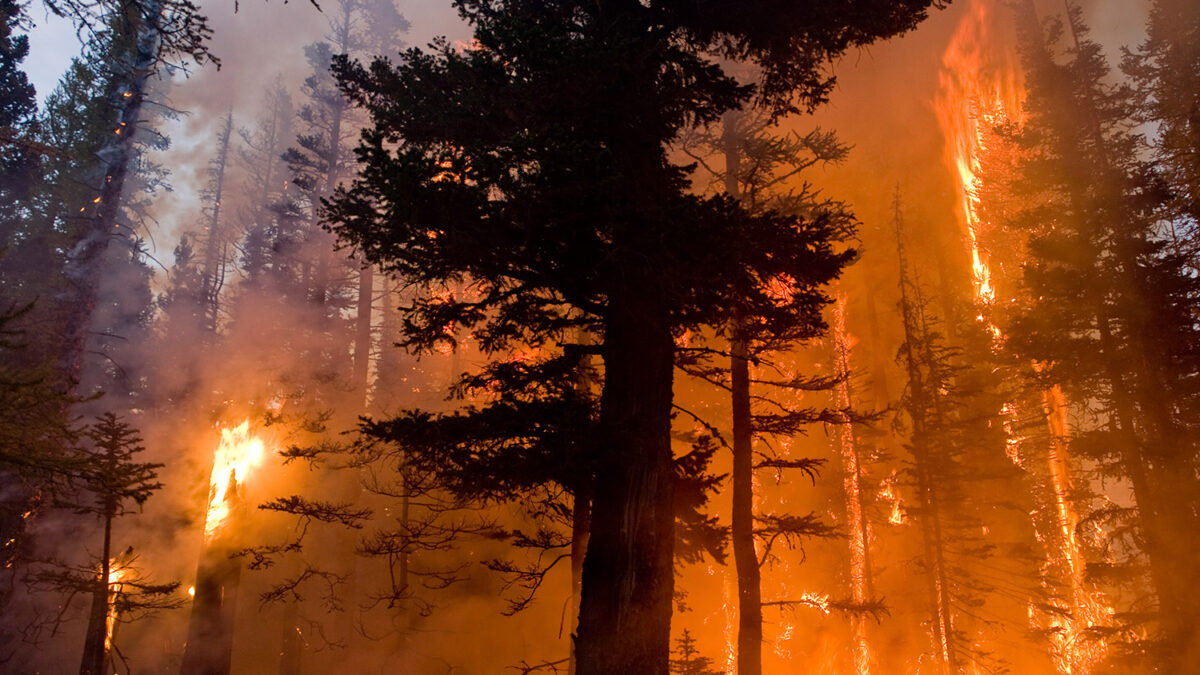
[98, 640]
[209, 649]
[113, 478]
[750, 633]
[861, 581]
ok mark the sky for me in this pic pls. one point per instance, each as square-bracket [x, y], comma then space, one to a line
[52, 43]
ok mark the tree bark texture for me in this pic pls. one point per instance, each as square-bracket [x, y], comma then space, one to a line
[628, 583]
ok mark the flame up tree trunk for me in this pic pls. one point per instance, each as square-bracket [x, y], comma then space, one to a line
[861, 574]
[113, 478]
[1133, 326]
[209, 647]
[96, 642]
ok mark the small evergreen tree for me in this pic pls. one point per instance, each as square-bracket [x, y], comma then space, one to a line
[688, 660]
[113, 482]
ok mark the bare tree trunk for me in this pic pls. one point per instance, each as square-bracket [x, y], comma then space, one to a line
[214, 249]
[362, 333]
[745, 557]
[750, 634]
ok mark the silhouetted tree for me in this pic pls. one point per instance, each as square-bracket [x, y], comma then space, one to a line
[560, 203]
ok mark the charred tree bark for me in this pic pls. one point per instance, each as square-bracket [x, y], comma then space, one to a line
[581, 520]
[581, 525]
[628, 581]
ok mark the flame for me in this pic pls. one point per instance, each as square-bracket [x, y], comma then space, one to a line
[887, 492]
[817, 600]
[239, 452]
[116, 574]
[730, 611]
[981, 86]
[1074, 650]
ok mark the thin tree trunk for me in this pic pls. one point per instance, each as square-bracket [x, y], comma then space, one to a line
[214, 250]
[750, 633]
[745, 557]
[95, 646]
[362, 334]
[933, 541]
[861, 578]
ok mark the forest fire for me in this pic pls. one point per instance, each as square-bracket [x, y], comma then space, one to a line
[663, 338]
[858, 526]
[209, 647]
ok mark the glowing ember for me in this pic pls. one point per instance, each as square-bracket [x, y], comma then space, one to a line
[238, 454]
[817, 600]
[729, 609]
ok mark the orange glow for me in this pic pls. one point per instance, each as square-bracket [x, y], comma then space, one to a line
[730, 611]
[239, 452]
[1073, 650]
